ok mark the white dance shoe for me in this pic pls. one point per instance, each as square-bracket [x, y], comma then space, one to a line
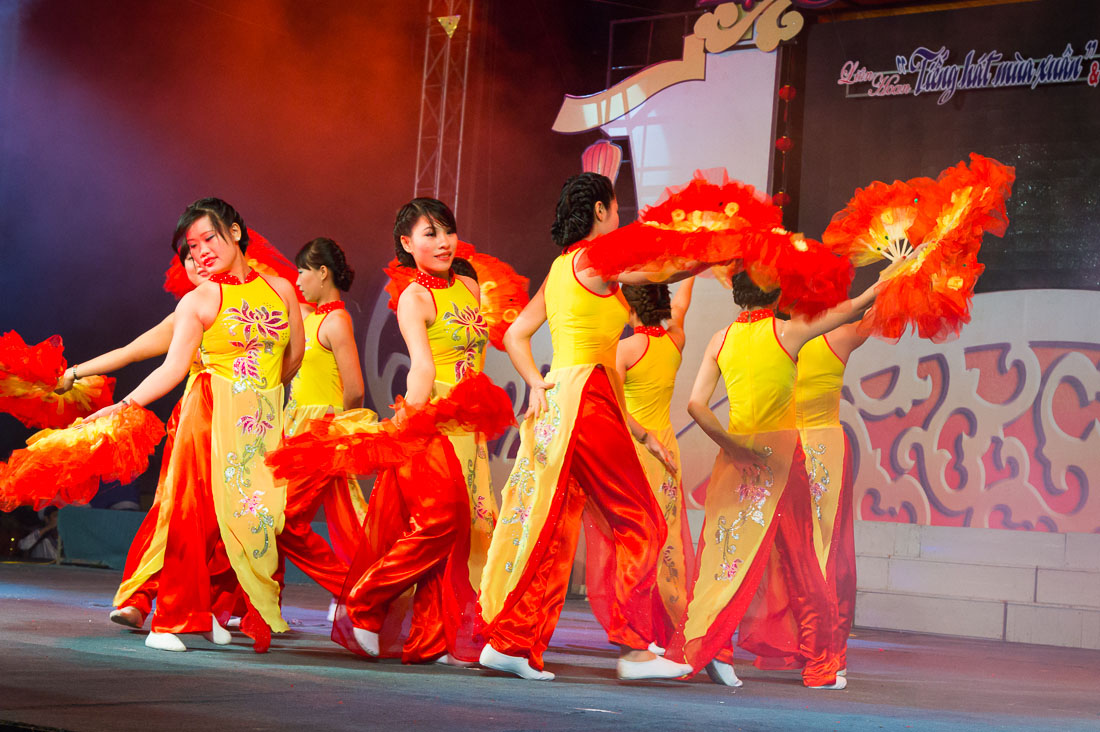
[217, 634]
[164, 642]
[332, 611]
[656, 649]
[842, 672]
[131, 617]
[448, 660]
[722, 673]
[654, 668]
[367, 640]
[494, 659]
[840, 683]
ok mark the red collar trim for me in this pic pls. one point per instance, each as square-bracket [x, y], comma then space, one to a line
[224, 278]
[575, 246]
[432, 282]
[751, 316]
[328, 307]
[651, 330]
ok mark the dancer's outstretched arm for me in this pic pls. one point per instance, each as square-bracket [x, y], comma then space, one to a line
[150, 344]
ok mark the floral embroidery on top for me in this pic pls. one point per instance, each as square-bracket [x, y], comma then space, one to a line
[261, 332]
[470, 332]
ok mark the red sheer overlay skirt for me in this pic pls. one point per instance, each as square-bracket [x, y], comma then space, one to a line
[601, 476]
[770, 628]
[413, 556]
[790, 532]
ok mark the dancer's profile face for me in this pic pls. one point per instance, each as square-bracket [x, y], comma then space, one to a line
[606, 219]
[195, 274]
[431, 246]
[210, 250]
[310, 282]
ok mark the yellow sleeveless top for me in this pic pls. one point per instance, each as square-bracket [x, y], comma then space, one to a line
[318, 379]
[759, 376]
[650, 382]
[820, 379]
[458, 334]
[245, 343]
[584, 327]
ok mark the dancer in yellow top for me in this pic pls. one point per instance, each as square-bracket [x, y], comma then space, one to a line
[249, 333]
[758, 492]
[575, 449]
[329, 381]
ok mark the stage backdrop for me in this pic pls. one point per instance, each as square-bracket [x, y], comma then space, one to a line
[997, 429]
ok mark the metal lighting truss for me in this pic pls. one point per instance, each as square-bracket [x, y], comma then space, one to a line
[443, 101]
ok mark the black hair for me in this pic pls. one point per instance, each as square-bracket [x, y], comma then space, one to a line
[222, 216]
[747, 294]
[575, 214]
[440, 215]
[652, 303]
[323, 251]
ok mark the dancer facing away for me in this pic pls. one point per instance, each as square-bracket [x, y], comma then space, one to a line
[218, 496]
[330, 380]
[767, 627]
[429, 520]
[647, 362]
[758, 491]
[575, 448]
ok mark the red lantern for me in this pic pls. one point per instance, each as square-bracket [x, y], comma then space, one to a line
[603, 157]
[784, 144]
[781, 199]
[787, 92]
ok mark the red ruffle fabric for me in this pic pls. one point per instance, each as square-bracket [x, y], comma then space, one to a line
[703, 221]
[261, 254]
[28, 376]
[61, 467]
[503, 291]
[325, 447]
[861, 231]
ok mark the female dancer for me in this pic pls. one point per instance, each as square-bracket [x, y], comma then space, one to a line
[647, 363]
[249, 334]
[329, 380]
[429, 520]
[758, 492]
[575, 447]
[767, 627]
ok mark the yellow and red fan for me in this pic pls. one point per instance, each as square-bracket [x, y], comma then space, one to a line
[29, 375]
[701, 222]
[503, 290]
[261, 256]
[66, 466]
[934, 242]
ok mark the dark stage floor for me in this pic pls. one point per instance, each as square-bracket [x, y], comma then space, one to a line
[64, 666]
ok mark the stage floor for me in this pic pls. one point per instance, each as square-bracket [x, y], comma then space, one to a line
[64, 666]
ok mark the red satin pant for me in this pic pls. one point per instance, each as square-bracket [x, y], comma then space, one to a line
[299, 543]
[602, 470]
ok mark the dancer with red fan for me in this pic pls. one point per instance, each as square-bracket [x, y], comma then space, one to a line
[430, 517]
[575, 448]
[218, 495]
[758, 492]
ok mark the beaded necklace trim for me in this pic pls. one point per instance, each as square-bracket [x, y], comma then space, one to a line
[432, 282]
[651, 330]
[328, 307]
[224, 278]
[751, 316]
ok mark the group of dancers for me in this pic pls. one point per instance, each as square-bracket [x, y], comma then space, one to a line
[430, 568]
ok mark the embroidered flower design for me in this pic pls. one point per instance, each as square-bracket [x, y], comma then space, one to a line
[469, 324]
[266, 323]
[254, 423]
[728, 570]
[253, 504]
[817, 490]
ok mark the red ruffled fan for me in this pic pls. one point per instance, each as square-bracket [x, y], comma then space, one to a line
[503, 291]
[355, 442]
[28, 376]
[261, 254]
[936, 227]
[704, 221]
[61, 467]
